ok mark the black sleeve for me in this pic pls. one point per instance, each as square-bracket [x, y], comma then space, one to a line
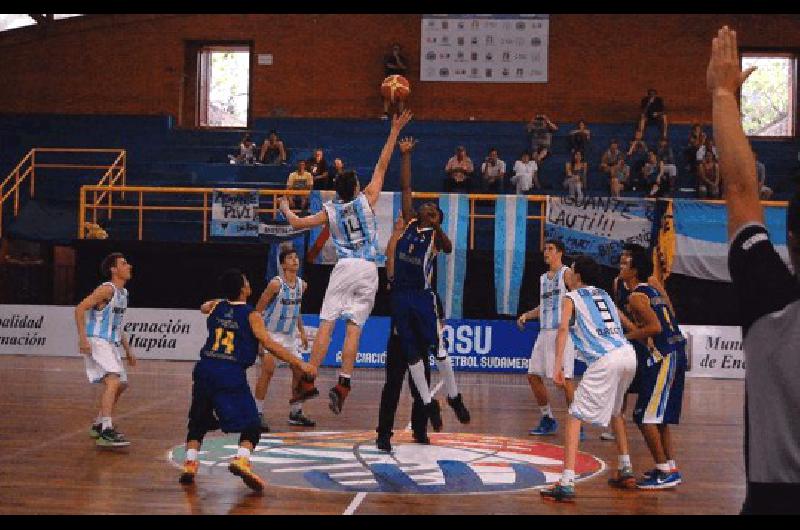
[762, 281]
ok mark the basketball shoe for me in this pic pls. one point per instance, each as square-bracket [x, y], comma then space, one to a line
[112, 438]
[189, 471]
[457, 404]
[434, 413]
[547, 427]
[559, 493]
[337, 396]
[240, 466]
[624, 479]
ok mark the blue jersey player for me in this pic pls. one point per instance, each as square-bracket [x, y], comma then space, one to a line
[653, 325]
[221, 397]
[353, 283]
[99, 321]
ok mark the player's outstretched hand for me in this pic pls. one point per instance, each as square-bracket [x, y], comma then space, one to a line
[406, 145]
[283, 204]
[558, 377]
[521, 322]
[400, 121]
[724, 74]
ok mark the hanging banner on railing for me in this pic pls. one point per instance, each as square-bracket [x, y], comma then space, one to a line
[599, 226]
[510, 223]
[234, 214]
[451, 268]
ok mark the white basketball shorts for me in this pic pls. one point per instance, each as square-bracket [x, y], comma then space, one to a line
[602, 389]
[543, 356]
[105, 359]
[290, 342]
[351, 291]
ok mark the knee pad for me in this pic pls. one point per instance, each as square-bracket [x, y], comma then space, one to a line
[252, 435]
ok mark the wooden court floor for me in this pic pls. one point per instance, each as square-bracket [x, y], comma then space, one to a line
[49, 465]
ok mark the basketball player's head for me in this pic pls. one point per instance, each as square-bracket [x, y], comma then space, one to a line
[625, 270]
[585, 271]
[347, 186]
[553, 252]
[793, 232]
[116, 267]
[638, 265]
[429, 214]
[233, 286]
[290, 261]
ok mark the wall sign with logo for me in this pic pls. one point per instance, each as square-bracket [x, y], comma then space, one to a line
[484, 48]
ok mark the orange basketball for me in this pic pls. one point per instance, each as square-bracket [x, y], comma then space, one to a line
[395, 88]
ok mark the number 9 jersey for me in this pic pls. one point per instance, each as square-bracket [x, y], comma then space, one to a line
[354, 228]
[230, 337]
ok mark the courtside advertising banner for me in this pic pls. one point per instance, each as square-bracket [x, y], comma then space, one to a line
[599, 226]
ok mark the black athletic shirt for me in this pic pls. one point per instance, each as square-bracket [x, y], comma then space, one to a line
[769, 305]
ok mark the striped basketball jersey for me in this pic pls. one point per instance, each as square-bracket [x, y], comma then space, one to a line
[354, 228]
[596, 329]
[281, 314]
[230, 337]
[414, 258]
[106, 323]
[670, 339]
[551, 293]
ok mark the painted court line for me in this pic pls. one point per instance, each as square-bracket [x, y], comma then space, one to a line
[355, 503]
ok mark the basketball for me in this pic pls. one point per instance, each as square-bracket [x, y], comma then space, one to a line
[395, 88]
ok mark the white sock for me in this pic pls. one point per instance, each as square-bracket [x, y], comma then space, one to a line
[672, 465]
[346, 376]
[624, 461]
[568, 477]
[546, 410]
[418, 375]
[191, 454]
[106, 421]
[663, 467]
[260, 406]
[446, 369]
[99, 418]
[243, 451]
[296, 407]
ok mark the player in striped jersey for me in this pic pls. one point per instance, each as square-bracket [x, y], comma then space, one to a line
[353, 283]
[99, 321]
[552, 289]
[653, 325]
[590, 317]
[280, 305]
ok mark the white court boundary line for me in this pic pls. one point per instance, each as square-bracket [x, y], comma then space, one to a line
[355, 503]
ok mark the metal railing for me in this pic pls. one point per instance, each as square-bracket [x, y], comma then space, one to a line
[28, 165]
[270, 207]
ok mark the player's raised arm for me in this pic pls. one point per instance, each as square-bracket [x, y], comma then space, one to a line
[269, 293]
[101, 295]
[298, 223]
[640, 307]
[737, 165]
[373, 189]
[406, 146]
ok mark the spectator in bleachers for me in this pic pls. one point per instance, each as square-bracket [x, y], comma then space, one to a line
[300, 180]
[696, 138]
[667, 159]
[333, 174]
[540, 130]
[247, 152]
[394, 63]
[318, 167]
[708, 145]
[765, 192]
[524, 178]
[575, 180]
[708, 183]
[653, 111]
[618, 177]
[579, 138]
[459, 170]
[493, 172]
[653, 176]
[273, 151]
[636, 157]
[611, 157]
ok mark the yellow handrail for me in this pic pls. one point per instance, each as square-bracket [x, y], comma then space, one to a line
[30, 158]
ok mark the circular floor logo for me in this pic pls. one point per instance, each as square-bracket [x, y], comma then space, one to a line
[349, 462]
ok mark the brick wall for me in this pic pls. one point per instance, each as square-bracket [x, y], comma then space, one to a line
[330, 65]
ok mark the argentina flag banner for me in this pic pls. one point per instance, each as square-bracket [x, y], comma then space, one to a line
[701, 238]
[510, 221]
[451, 268]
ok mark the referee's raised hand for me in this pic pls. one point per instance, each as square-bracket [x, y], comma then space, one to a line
[724, 74]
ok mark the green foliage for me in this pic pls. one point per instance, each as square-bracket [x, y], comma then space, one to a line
[230, 85]
[766, 96]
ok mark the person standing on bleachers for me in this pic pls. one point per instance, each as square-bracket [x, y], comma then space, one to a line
[652, 106]
[579, 138]
[541, 129]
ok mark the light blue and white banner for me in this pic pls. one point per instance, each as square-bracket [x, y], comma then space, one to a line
[599, 226]
[234, 214]
[701, 238]
[510, 222]
[387, 209]
[451, 268]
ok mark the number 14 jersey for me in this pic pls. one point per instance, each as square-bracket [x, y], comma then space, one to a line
[354, 228]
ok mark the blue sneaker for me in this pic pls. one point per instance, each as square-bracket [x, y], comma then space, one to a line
[648, 474]
[559, 493]
[658, 480]
[547, 427]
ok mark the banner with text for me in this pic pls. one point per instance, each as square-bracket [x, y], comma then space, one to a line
[599, 226]
[234, 214]
[715, 351]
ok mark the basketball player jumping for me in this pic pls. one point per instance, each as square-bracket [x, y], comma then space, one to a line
[99, 338]
[353, 283]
